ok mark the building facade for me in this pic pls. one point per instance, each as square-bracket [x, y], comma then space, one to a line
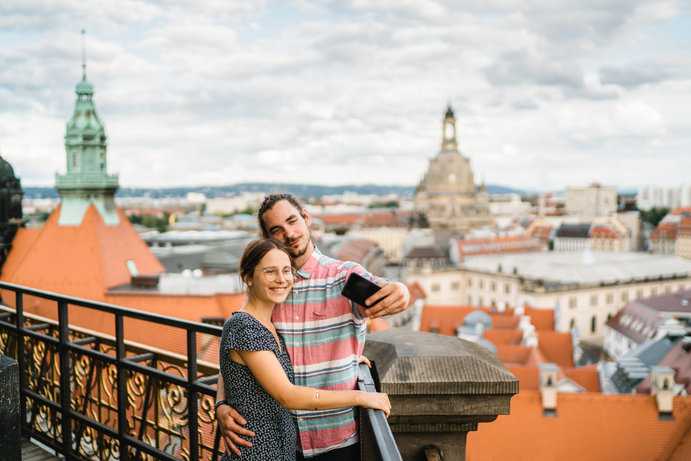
[663, 197]
[591, 201]
[585, 290]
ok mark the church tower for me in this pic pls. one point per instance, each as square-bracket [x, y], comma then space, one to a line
[448, 134]
[86, 180]
[447, 194]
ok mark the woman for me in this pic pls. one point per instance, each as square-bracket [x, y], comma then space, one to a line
[256, 369]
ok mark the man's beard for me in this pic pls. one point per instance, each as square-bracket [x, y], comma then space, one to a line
[297, 252]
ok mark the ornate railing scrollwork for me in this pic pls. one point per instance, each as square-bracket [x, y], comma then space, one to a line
[157, 387]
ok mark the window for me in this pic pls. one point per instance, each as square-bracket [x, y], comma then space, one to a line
[639, 293]
[492, 286]
[435, 287]
[481, 284]
[593, 324]
[480, 301]
[470, 300]
[625, 296]
[573, 302]
[507, 288]
[455, 286]
[609, 317]
[572, 324]
[610, 298]
[470, 282]
[593, 300]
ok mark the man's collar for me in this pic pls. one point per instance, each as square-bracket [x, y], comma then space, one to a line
[306, 270]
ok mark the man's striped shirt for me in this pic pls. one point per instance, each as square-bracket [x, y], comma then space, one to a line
[325, 335]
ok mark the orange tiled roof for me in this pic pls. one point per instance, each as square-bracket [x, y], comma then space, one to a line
[585, 376]
[528, 376]
[448, 318]
[341, 218]
[684, 211]
[514, 355]
[665, 230]
[86, 260]
[556, 347]
[81, 260]
[685, 227]
[416, 292]
[542, 319]
[444, 318]
[504, 337]
[503, 322]
[604, 232]
[540, 231]
[588, 426]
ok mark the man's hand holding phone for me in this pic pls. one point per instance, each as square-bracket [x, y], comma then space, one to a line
[392, 298]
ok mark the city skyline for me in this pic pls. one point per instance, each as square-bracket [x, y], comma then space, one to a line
[223, 92]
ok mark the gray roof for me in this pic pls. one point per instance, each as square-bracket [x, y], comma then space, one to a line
[676, 302]
[573, 231]
[635, 365]
[586, 268]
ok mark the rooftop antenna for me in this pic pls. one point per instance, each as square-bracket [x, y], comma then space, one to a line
[83, 54]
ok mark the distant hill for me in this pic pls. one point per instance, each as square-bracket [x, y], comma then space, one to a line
[301, 190]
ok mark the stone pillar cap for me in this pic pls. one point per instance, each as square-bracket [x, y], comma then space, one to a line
[417, 363]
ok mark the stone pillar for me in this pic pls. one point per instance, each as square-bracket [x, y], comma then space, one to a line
[440, 387]
[10, 436]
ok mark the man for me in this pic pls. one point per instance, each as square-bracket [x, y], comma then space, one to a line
[324, 333]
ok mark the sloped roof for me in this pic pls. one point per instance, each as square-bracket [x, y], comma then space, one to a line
[573, 231]
[588, 426]
[82, 260]
[505, 244]
[448, 318]
[416, 291]
[87, 261]
[679, 359]
[542, 319]
[586, 376]
[556, 347]
[499, 337]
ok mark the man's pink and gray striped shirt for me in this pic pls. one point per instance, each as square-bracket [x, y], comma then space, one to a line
[325, 335]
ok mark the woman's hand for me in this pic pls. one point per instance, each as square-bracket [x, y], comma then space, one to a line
[376, 401]
[365, 360]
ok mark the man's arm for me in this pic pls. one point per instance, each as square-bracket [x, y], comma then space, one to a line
[230, 422]
[393, 298]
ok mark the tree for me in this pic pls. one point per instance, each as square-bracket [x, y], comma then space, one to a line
[654, 215]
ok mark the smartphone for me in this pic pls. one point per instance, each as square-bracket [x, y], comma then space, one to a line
[358, 289]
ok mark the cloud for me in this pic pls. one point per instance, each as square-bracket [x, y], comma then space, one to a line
[633, 76]
[343, 92]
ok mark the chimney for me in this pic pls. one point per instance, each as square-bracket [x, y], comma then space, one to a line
[662, 387]
[548, 388]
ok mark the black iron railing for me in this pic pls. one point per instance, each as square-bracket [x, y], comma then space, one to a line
[91, 396]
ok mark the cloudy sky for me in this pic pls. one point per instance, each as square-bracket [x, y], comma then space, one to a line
[547, 93]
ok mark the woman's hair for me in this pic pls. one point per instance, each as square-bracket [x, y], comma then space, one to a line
[254, 252]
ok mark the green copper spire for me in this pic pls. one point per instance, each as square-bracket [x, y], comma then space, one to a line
[86, 180]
